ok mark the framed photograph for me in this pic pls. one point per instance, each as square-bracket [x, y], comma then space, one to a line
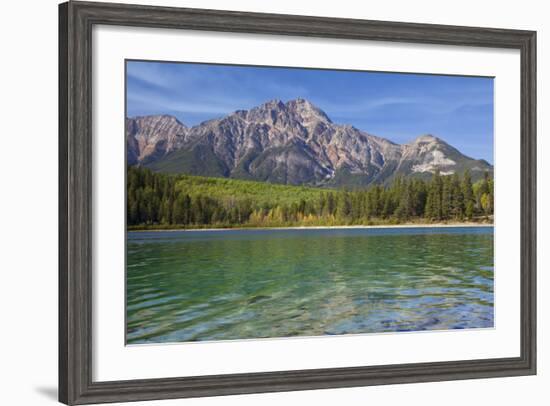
[259, 202]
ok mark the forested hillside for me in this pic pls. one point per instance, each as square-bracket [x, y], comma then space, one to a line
[156, 200]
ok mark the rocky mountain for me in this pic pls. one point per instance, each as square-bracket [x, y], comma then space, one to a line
[291, 143]
[150, 138]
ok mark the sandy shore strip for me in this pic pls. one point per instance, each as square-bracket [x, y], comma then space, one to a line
[435, 225]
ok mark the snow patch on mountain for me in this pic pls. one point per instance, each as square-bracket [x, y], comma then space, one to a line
[438, 160]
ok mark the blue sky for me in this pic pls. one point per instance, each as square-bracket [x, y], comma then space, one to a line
[399, 107]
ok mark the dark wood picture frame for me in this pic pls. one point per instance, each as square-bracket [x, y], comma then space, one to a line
[76, 20]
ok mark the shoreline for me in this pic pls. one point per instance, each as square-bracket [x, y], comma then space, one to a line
[420, 225]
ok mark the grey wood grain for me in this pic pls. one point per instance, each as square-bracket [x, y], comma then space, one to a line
[76, 20]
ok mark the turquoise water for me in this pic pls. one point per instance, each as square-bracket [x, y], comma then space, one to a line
[241, 284]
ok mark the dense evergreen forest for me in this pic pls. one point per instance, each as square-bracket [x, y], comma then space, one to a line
[156, 200]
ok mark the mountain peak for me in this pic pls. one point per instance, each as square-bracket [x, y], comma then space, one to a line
[167, 117]
[307, 109]
[275, 103]
[151, 137]
[427, 138]
[156, 122]
[299, 101]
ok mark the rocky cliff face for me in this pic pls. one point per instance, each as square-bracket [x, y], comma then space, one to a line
[292, 143]
[150, 138]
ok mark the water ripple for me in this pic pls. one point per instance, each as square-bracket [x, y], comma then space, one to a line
[215, 285]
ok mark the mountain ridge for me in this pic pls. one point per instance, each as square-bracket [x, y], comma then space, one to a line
[290, 143]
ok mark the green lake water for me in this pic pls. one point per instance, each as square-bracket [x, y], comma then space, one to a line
[242, 284]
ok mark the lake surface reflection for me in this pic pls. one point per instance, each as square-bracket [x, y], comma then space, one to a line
[242, 284]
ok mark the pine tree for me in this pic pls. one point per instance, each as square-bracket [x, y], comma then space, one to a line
[446, 197]
[429, 210]
[468, 195]
[457, 205]
[436, 191]
[404, 209]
